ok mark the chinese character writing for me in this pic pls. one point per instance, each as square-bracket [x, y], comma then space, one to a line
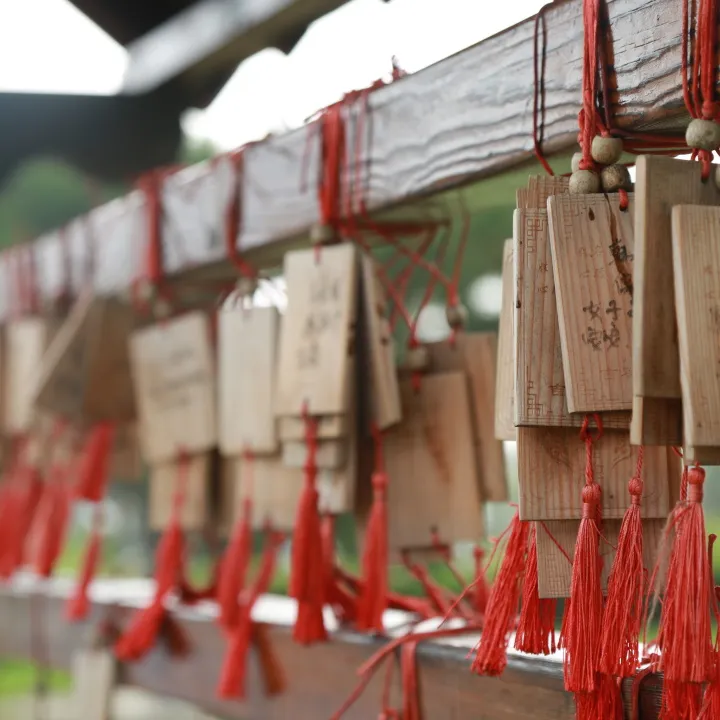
[593, 337]
[613, 309]
[619, 252]
[593, 309]
[613, 339]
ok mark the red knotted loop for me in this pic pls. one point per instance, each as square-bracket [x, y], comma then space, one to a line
[695, 478]
[585, 430]
[635, 488]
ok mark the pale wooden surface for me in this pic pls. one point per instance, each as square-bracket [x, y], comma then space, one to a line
[551, 474]
[430, 461]
[174, 380]
[696, 269]
[384, 387]
[475, 354]
[554, 568]
[247, 374]
[94, 676]
[163, 484]
[505, 377]
[592, 249]
[328, 427]
[331, 454]
[317, 336]
[656, 421]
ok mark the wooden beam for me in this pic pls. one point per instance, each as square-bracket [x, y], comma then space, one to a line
[319, 678]
[460, 120]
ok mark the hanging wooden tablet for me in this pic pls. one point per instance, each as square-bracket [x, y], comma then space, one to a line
[505, 379]
[592, 246]
[317, 331]
[554, 567]
[660, 183]
[94, 674]
[430, 462]
[273, 487]
[383, 378]
[475, 354]
[329, 427]
[696, 269]
[174, 382]
[84, 375]
[163, 483]
[247, 372]
[26, 340]
[540, 392]
[551, 468]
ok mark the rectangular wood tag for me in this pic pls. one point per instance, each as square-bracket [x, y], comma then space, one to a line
[383, 377]
[551, 474]
[317, 336]
[554, 567]
[247, 373]
[475, 354]
[505, 378]
[174, 380]
[540, 380]
[163, 482]
[94, 680]
[330, 427]
[696, 265]
[430, 461]
[592, 246]
[26, 340]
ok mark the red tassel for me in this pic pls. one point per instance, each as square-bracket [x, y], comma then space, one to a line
[232, 676]
[604, 703]
[481, 589]
[307, 578]
[681, 701]
[410, 687]
[94, 463]
[491, 655]
[51, 525]
[685, 637]
[234, 567]
[582, 623]
[619, 653]
[373, 599]
[536, 629]
[78, 604]
[711, 698]
[146, 624]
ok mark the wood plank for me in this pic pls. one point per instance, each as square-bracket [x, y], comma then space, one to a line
[247, 374]
[94, 680]
[656, 421]
[317, 336]
[329, 427]
[696, 271]
[554, 568]
[551, 472]
[592, 248]
[505, 378]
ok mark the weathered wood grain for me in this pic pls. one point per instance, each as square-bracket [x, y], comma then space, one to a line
[464, 118]
[505, 376]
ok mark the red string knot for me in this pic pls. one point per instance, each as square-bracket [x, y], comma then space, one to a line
[591, 497]
[696, 479]
[635, 488]
[379, 483]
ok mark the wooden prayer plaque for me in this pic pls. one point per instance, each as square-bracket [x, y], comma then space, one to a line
[247, 373]
[26, 340]
[274, 488]
[331, 454]
[94, 680]
[554, 568]
[174, 381]
[660, 184]
[430, 461]
[551, 473]
[84, 375]
[592, 246]
[505, 378]
[475, 354]
[540, 394]
[696, 264]
[658, 419]
[385, 391]
[317, 336]
[163, 485]
[329, 427]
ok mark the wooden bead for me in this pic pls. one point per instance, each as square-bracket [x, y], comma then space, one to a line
[456, 316]
[575, 162]
[246, 286]
[321, 234]
[606, 150]
[614, 178]
[702, 134]
[417, 358]
[584, 182]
